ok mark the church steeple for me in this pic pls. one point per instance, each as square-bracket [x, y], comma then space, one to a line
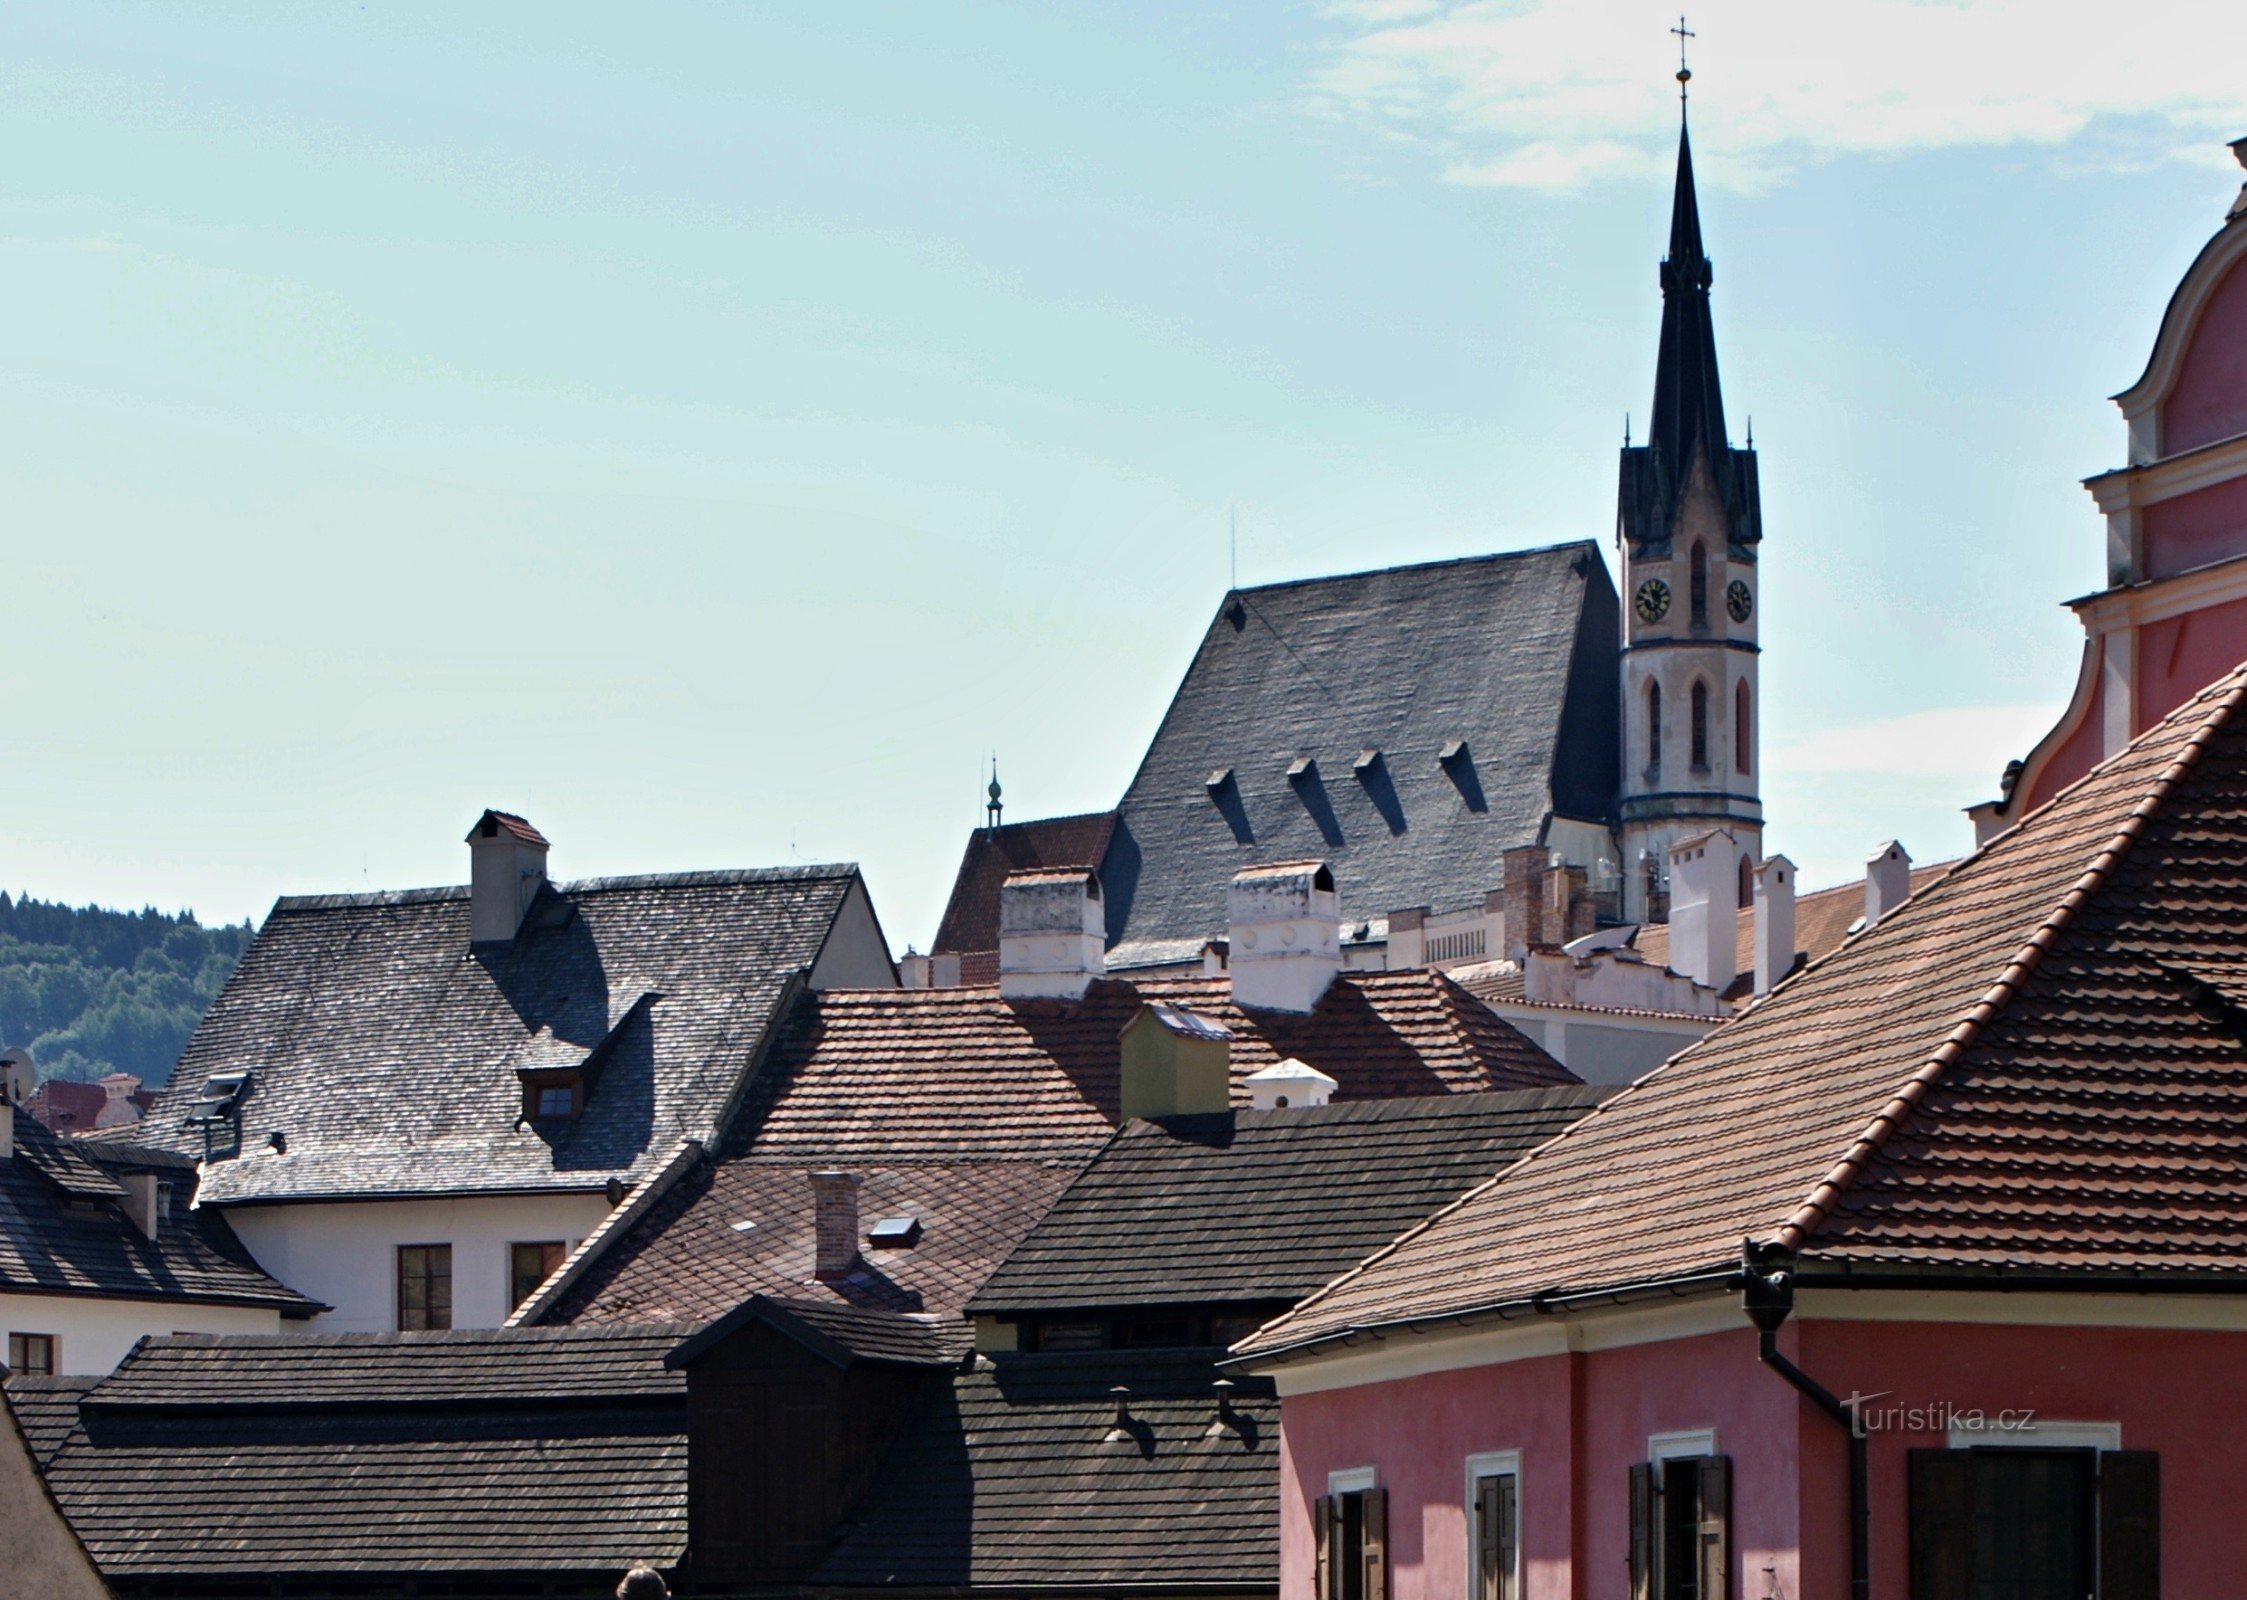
[1688, 425]
[1689, 521]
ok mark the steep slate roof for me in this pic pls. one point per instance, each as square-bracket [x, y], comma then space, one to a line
[45, 1249]
[843, 1334]
[384, 1050]
[555, 1452]
[971, 916]
[1513, 654]
[2035, 1070]
[1017, 1475]
[1265, 1205]
[972, 1113]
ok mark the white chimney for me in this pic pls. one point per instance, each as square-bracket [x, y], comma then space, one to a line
[1283, 935]
[834, 1210]
[1774, 922]
[506, 867]
[1705, 908]
[140, 1201]
[1287, 1084]
[914, 970]
[1888, 881]
[18, 1078]
[1053, 934]
[118, 1109]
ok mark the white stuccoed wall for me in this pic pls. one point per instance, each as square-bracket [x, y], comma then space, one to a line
[345, 1253]
[92, 1335]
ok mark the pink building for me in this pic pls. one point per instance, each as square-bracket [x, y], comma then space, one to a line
[1925, 1277]
[2173, 616]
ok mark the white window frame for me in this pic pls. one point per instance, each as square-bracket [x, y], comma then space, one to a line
[2100, 1436]
[1682, 1445]
[1492, 1464]
[1353, 1480]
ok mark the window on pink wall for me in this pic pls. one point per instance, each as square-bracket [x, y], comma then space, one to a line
[1681, 1521]
[1494, 1530]
[1353, 1545]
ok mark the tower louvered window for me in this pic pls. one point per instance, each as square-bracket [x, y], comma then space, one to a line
[1700, 726]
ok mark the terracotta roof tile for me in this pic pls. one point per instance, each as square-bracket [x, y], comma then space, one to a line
[972, 1112]
[2025, 1067]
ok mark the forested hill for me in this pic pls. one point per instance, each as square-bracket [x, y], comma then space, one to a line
[92, 991]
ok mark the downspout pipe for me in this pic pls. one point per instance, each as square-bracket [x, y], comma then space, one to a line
[1768, 1299]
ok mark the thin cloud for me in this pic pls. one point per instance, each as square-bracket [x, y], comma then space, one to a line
[1555, 94]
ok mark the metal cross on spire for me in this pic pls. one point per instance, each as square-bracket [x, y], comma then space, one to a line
[1684, 72]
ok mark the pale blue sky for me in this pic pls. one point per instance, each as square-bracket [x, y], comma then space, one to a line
[710, 430]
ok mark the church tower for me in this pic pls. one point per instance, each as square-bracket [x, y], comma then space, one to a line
[1688, 524]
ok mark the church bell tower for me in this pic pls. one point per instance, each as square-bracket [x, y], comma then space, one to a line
[1688, 523]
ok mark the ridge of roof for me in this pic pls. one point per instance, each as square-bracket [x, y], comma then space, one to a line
[1488, 556]
[721, 877]
[1818, 1205]
[2181, 739]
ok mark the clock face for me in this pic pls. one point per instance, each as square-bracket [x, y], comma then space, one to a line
[1738, 600]
[1652, 600]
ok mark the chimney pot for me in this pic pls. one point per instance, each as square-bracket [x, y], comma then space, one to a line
[1705, 908]
[1888, 881]
[1121, 1394]
[1774, 922]
[1053, 934]
[834, 1205]
[1283, 935]
[506, 869]
[1288, 1084]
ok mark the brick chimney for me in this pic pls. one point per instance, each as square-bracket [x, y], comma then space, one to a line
[1888, 881]
[1522, 893]
[1705, 908]
[1774, 922]
[1053, 934]
[834, 1210]
[1283, 935]
[506, 868]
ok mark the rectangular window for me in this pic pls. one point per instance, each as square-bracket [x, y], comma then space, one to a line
[2031, 1523]
[1495, 1525]
[1681, 1529]
[425, 1287]
[31, 1355]
[528, 1266]
[1353, 1545]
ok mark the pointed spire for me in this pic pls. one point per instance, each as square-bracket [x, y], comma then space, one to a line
[1688, 420]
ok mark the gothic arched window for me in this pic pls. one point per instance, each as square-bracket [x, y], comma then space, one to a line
[1747, 884]
[1700, 726]
[1654, 727]
[1740, 728]
[1697, 584]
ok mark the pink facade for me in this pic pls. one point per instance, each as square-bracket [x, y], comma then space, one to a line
[2209, 398]
[1581, 1420]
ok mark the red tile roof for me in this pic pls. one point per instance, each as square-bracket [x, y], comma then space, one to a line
[63, 1105]
[2037, 1067]
[973, 1112]
[971, 917]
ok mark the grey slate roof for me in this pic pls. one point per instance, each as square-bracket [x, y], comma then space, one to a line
[553, 1452]
[95, 1250]
[843, 1334]
[1259, 1206]
[1514, 654]
[1017, 1475]
[384, 1049]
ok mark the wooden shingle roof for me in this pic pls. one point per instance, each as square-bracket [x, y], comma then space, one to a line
[2034, 1071]
[558, 1454]
[1248, 1206]
[1017, 1475]
[382, 1048]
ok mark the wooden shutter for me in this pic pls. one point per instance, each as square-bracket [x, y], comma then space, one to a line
[1322, 1520]
[1486, 1540]
[1942, 1524]
[1374, 1505]
[1714, 1501]
[1509, 1538]
[2129, 1525]
[1643, 1531]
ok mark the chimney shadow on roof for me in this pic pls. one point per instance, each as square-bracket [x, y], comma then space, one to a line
[1233, 807]
[552, 976]
[1461, 771]
[918, 1517]
[1346, 1037]
[1119, 875]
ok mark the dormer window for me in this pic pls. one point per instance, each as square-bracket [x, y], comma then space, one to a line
[552, 1096]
